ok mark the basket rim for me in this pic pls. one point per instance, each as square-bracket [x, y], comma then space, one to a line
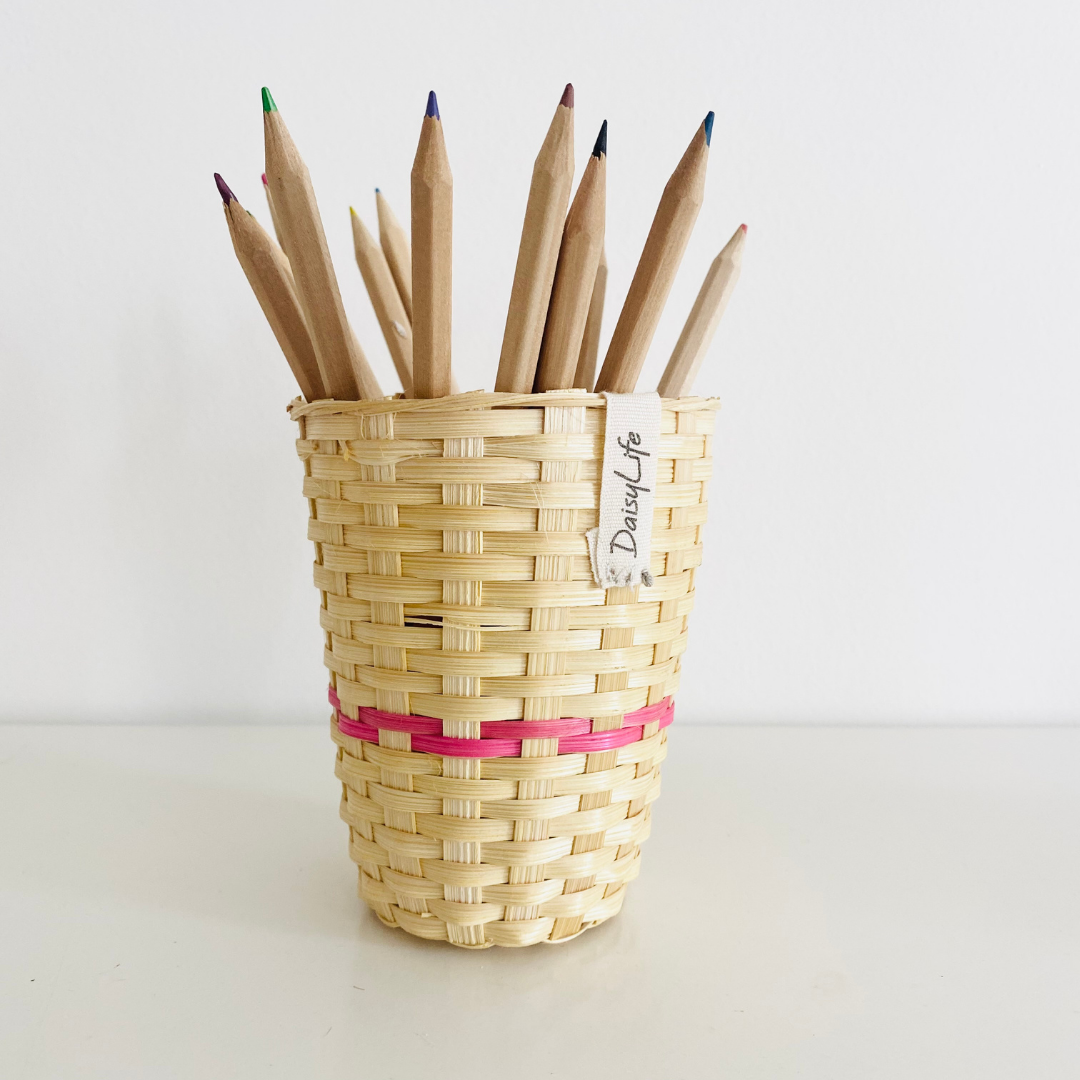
[479, 399]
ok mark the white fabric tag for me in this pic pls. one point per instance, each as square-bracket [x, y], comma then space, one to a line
[621, 546]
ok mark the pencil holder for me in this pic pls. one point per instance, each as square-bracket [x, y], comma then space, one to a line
[500, 718]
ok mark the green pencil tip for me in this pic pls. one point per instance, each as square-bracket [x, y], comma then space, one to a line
[268, 101]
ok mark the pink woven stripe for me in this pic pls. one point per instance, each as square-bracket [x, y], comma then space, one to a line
[573, 733]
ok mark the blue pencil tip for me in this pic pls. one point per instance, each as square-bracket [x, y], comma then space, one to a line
[432, 106]
[376, 191]
[600, 147]
[708, 127]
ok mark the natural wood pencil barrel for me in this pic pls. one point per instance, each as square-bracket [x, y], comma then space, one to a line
[432, 242]
[500, 719]
[394, 241]
[704, 318]
[656, 269]
[585, 375]
[383, 293]
[273, 212]
[345, 371]
[575, 276]
[267, 270]
[538, 253]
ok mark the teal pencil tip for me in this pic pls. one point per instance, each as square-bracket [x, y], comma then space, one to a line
[708, 127]
[268, 101]
[376, 191]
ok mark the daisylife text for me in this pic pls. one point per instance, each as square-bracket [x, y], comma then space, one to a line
[625, 539]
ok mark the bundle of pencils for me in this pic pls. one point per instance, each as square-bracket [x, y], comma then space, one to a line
[552, 335]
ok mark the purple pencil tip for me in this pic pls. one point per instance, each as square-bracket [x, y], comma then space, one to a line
[432, 106]
[567, 98]
[226, 192]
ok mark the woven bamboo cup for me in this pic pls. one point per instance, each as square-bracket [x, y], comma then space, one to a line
[500, 718]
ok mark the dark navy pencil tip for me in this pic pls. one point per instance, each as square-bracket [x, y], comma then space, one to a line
[224, 190]
[708, 127]
[567, 98]
[601, 141]
[432, 106]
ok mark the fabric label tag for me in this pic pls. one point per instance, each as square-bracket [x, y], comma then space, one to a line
[621, 546]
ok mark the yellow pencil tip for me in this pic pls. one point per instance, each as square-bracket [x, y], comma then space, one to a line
[352, 211]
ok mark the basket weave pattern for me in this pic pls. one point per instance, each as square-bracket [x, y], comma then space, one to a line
[456, 585]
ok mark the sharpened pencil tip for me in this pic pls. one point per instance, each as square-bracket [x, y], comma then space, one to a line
[743, 227]
[708, 127]
[432, 106]
[567, 98]
[224, 190]
[378, 191]
[601, 141]
[266, 183]
[268, 101]
[352, 212]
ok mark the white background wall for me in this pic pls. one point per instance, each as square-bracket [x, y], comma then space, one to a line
[896, 510]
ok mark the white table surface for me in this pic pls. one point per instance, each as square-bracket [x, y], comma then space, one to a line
[815, 902]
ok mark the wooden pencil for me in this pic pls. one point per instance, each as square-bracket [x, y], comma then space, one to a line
[389, 310]
[704, 318]
[395, 245]
[267, 270]
[575, 275]
[432, 242]
[656, 269]
[585, 375]
[273, 213]
[345, 371]
[538, 253]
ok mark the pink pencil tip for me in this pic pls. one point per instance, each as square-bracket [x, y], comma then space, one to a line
[743, 227]
[266, 184]
[567, 98]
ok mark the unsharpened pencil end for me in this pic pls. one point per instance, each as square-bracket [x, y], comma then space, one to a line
[600, 148]
[224, 190]
[268, 101]
[567, 98]
[743, 227]
[708, 127]
[432, 106]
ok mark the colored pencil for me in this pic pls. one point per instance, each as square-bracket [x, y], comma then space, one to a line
[538, 253]
[656, 269]
[575, 275]
[345, 371]
[395, 244]
[389, 310]
[273, 213]
[268, 274]
[585, 375]
[432, 241]
[704, 318]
